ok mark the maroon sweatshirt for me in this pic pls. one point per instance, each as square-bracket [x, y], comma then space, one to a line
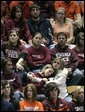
[59, 105]
[38, 56]
[68, 55]
[80, 58]
[13, 79]
[13, 52]
[12, 24]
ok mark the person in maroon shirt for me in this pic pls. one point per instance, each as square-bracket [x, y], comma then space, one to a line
[13, 48]
[11, 77]
[52, 102]
[70, 58]
[79, 50]
[18, 22]
[37, 55]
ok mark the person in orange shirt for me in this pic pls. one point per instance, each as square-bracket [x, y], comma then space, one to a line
[72, 10]
[24, 4]
[62, 25]
[30, 103]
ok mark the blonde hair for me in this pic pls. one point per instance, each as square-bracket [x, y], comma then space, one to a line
[61, 62]
[46, 67]
[76, 92]
[61, 8]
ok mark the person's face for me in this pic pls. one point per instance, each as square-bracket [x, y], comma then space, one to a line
[35, 12]
[60, 14]
[18, 13]
[49, 72]
[13, 37]
[37, 40]
[53, 94]
[8, 67]
[7, 90]
[81, 39]
[56, 65]
[81, 95]
[29, 93]
[61, 40]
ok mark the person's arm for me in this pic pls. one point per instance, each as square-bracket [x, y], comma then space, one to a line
[78, 19]
[18, 83]
[41, 108]
[69, 41]
[28, 35]
[19, 64]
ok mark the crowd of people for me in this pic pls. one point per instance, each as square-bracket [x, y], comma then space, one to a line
[42, 55]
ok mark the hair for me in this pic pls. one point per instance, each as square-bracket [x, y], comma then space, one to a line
[78, 40]
[34, 91]
[46, 67]
[64, 12]
[49, 87]
[4, 83]
[76, 92]
[33, 6]
[37, 33]
[13, 16]
[11, 31]
[62, 33]
[61, 62]
[4, 63]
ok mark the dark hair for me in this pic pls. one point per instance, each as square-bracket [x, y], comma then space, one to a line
[4, 63]
[49, 87]
[33, 6]
[4, 83]
[13, 16]
[78, 39]
[37, 33]
[62, 33]
[34, 90]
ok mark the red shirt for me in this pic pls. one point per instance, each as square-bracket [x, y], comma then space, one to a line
[12, 24]
[38, 56]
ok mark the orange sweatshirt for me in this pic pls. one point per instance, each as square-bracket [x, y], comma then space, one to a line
[31, 106]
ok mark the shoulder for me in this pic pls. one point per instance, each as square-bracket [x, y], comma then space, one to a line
[22, 102]
[39, 103]
[63, 101]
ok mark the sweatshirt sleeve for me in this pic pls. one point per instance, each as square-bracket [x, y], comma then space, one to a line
[27, 33]
[29, 58]
[18, 83]
[74, 61]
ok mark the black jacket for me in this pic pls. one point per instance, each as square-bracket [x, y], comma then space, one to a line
[43, 26]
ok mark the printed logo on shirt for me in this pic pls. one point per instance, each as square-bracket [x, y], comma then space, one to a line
[12, 53]
[64, 56]
[36, 56]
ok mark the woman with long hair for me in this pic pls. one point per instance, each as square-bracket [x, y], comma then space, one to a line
[18, 23]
